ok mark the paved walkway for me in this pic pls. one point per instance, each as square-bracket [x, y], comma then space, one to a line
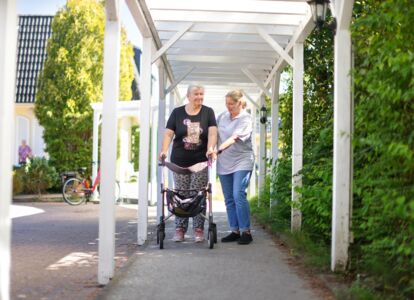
[55, 249]
[192, 271]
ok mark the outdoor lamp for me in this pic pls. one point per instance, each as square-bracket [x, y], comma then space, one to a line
[318, 9]
[263, 115]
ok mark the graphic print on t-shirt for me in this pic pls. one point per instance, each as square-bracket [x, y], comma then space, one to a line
[194, 130]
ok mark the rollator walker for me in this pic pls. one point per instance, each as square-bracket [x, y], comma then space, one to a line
[186, 203]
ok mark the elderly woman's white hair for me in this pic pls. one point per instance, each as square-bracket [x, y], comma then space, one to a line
[192, 87]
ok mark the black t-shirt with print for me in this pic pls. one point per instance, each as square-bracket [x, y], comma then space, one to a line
[191, 135]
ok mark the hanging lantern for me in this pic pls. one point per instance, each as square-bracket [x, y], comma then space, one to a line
[318, 9]
[263, 115]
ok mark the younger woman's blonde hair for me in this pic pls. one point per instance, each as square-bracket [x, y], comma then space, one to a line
[237, 96]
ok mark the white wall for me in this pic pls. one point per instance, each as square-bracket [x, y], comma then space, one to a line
[28, 128]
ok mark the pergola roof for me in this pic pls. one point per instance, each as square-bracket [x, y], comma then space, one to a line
[227, 44]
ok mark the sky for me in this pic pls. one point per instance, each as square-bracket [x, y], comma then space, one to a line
[50, 7]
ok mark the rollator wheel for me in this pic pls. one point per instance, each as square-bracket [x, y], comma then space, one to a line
[211, 238]
[160, 238]
[215, 234]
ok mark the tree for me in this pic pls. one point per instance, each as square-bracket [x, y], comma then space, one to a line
[72, 79]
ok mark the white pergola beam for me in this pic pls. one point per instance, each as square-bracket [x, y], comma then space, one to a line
[256, 81]
[216, 37]
[250, 66]
[275, 132]
[344, 13]
[217, 72]
[221, 27]
[161, 127]
[332, 8]
[279, 49]
[8, 33]
[139, 18]
[144, 141]
[251, 100]
[304, 29]
[225, 17]
[222, 45]
[207, 81]
[262, 154]
[224, 77]
[297, 135]
[223, 52]
[154, 156]
[282, 7]
[342, 157]
[171, 42]
[253, 179]
[178, 80]
[95, 154]
[220, 59]
[112, 10]
[112, 48]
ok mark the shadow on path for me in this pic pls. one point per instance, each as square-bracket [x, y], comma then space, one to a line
[192, 271]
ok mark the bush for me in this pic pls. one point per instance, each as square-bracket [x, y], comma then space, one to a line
[383, 152]
[383, 221]
[18, 181]
[38, 176]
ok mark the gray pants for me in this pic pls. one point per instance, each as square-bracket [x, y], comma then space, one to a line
[194, 181]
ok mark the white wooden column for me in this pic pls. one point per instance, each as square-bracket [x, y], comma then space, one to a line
[252, 185]
[144, 141]
[161, 127]
[342, 158]
[171, 106]
[262, 152]
[95, 158]
[125, 139]
[8, 34]
[154, 155]
[275, 133]
[112, 45]
[297, 136]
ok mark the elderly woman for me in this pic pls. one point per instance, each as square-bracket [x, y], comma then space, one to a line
[235, 165]
[194, 129]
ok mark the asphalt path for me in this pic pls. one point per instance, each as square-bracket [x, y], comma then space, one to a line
[188, 270]
[55, 249]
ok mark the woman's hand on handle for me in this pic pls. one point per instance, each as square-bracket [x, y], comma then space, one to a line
[211, 154]
[168, 135]
[162, 156]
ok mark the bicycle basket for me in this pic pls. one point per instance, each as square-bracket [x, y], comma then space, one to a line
[186, 207]
[67, 175]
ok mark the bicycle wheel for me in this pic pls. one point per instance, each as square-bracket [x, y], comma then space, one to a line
[74, 191]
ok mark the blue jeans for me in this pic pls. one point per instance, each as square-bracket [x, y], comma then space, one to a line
[234, 187]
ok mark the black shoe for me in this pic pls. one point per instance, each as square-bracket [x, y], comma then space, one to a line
[246, 238]
[232, 237]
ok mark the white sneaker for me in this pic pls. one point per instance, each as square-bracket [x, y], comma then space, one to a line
[179, 235]
[198, 235]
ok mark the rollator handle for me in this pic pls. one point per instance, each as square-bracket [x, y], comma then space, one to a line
[163, 157]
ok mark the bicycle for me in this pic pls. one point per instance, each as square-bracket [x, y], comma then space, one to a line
[77, 189]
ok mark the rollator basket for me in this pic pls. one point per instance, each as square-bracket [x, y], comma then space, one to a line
[186, 207]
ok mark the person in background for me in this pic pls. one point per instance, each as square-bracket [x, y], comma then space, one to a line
[235, 165]
[194, 129]
[25, 152]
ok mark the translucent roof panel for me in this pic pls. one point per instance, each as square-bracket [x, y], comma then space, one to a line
[224, 38]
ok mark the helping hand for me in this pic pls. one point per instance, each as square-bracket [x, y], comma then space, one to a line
[211, 154]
